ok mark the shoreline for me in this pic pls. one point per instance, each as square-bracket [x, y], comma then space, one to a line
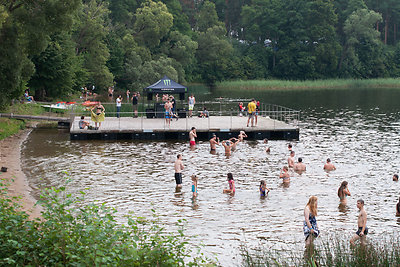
[10, 157]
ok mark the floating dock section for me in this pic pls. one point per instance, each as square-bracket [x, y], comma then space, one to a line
[143, 128]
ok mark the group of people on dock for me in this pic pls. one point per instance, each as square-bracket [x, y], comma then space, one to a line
[310, 226]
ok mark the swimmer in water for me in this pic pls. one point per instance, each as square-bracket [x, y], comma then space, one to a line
[264, 190]
[285, 174]
[267, 149]
[291, 159]
[398, 208]
[178, 170]
[242, 135]
[395, 177]
[300, 167]
[192, 136]
[231, 183]
[214, 141]
[194, 185]
[329, 165]
[234, 142]
[228, 147]
[361, 223]
[343, 192]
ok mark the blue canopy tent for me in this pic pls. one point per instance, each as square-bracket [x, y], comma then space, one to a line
[165, 86]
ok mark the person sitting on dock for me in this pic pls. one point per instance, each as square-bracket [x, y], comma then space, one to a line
[329, 165]
[214, 141]
[99, 115]
[241, 109]
[242, 135]
[299, 167]
[291, 159]
[82, 123]
[192, 136]
[204, 113]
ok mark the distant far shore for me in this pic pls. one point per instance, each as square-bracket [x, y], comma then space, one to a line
[309, 84]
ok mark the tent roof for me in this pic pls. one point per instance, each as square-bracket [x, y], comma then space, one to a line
[166, 85]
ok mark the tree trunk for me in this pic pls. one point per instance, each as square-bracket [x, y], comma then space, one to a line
[386, 27]
[394, 34]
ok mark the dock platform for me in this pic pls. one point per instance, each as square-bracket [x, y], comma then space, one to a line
[142, 128]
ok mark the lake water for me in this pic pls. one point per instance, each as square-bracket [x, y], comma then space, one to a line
[357, 128]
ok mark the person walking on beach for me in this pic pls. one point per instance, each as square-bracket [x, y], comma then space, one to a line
[264, 190]
[192, 136]
[361, 223]
[285, 174]
[178, 170]
[135, 101]
[310, 227]
[251, 109]
[343, 192]
[291, 159]
[299, 166]
[231, 184]
[191, 102]
[194, 185]
[214, 141]
[329, 165]
[118, 102]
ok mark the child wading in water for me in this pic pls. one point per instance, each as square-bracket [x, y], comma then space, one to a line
[231, 183]
[263, 189]
[194, 185]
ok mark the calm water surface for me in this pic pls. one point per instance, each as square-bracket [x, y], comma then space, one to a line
[358, 129]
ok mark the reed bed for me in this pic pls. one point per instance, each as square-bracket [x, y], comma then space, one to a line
[309, 84]
[332, 251]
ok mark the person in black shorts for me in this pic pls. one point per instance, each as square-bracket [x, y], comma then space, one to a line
[178, 170]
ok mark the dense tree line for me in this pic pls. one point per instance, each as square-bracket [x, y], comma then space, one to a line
[55, 47]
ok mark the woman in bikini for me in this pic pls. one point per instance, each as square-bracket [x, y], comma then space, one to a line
[343, 192]
[98, 115]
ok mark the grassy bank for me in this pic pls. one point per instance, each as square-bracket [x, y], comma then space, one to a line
[9, 127]
[311, 84]
[332, 251]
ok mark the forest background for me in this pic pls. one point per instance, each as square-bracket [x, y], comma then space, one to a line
[56, 47]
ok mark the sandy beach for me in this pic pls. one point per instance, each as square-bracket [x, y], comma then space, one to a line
[10, 157]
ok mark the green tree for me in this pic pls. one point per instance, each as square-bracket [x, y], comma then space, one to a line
[207, 17]
[24, 32]
[153, 22]
[90, 37]
[361, 36]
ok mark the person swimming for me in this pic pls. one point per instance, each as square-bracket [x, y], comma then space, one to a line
[343, 191]
[231, 183]
[194, 185]
[395, 177]
[263, 189]
[285, 174]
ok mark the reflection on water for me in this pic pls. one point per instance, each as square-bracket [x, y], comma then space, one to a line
[362, 141]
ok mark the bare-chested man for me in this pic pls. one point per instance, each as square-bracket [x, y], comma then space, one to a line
[329, 165]
[299, 167]
[291, 159]
[362, 224]
[214, 141]
[228, 147]
[234, 142]
[192, 136]
[178, 170]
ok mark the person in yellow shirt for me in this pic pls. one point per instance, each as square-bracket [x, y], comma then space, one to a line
[251, 109]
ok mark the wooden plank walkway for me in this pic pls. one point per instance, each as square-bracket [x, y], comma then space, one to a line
[156, 128]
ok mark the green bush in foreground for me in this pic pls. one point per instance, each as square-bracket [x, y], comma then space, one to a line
[334, 251]
[85, 236]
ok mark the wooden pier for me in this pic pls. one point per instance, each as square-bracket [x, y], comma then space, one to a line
[143, 128]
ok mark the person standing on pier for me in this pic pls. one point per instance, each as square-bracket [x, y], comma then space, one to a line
[178, 170]
[191, 103]
[135, 101]
[128, 95]
[251, 109]
[192, 136]
[362, 224]
[99, 115]
[118, 102]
